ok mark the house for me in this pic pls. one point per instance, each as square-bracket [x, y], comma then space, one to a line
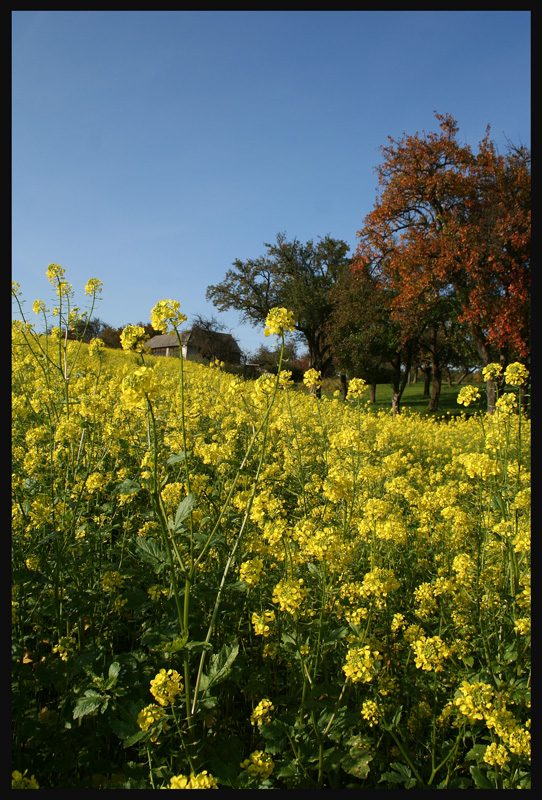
[197, 344]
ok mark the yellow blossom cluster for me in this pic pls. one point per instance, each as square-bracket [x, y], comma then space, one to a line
[262, 622]
[250, 571]
[133, 337]
[259, 764]
[166, 686]
[362, 664]
[279, 321]
[430, 652]
[19, 780]
[203, 780]
[149, 717]
[166, 316]
[262, 712]
[289, 594]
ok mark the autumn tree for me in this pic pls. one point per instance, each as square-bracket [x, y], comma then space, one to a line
[293, 275]
[450, 237]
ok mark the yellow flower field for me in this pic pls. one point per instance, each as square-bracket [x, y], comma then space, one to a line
[316, 596]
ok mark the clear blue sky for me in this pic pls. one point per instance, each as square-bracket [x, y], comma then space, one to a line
[151, 149]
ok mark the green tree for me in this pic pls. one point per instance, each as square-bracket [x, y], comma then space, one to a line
[363, 338]
[293, 275]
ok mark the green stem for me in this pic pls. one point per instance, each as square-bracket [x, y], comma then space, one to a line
[265, 426]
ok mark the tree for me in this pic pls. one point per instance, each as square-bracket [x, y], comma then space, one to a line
[268, 358]
[293, 275]
[450, 236]
[213, 341]
[85, 331]
[364, 340]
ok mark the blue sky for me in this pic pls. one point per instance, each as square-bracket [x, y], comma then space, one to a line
[150, 149]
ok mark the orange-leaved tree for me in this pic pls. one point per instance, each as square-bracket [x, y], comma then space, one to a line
[449, 236]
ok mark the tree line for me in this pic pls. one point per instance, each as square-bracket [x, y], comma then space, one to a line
[440, 277]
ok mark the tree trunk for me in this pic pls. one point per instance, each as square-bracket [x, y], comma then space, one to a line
[435, 386]
[400, 377]
[485, 357]
[465, 374]
[426, 380]
[344, 385]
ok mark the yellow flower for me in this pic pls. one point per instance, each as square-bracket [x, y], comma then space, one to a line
[54, 273]
[166, 686]
[361, 664]
[149, 716]
[95, 347]
[289, 594]
[356, 388]
[133, 337]
[258, 764]
[279, 321]
[369, 712]
[262, 623]
[65, 646]
[262, 712]
[496, 754]
[474, 700]
[137, 387]
[93, 287]
[200, 781]
[111, 581]
[20, 781]
[312, 378]
[507, 403]
[491, 372]
[516, 374]
[166, 316]
[38, 306]
[430, 653]
[468, 395]
[250, 571]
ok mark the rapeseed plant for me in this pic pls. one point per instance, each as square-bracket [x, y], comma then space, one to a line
[228, 540]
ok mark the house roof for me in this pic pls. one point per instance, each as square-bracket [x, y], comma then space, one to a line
[166, 340]
[170, 340]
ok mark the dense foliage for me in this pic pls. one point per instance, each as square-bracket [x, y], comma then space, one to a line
[221, 583]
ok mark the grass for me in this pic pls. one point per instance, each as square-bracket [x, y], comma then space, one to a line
[413, 398]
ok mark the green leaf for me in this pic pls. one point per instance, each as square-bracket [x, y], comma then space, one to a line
[137, 737]
[197, 647]
[176, 644]
[128, 487]
[356, 763]
[220, 663]
[122, 728]
[480, 779]
[88, 704]
[150, 550]
[184, 509]
[334, 636]
[113, 674]
[402, 774]
[176, 458]
[476, 753]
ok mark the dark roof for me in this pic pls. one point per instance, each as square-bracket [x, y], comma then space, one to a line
[166, 340]
[170, 340]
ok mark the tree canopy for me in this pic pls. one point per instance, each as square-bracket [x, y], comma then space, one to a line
[290, 274]
[449, 237]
